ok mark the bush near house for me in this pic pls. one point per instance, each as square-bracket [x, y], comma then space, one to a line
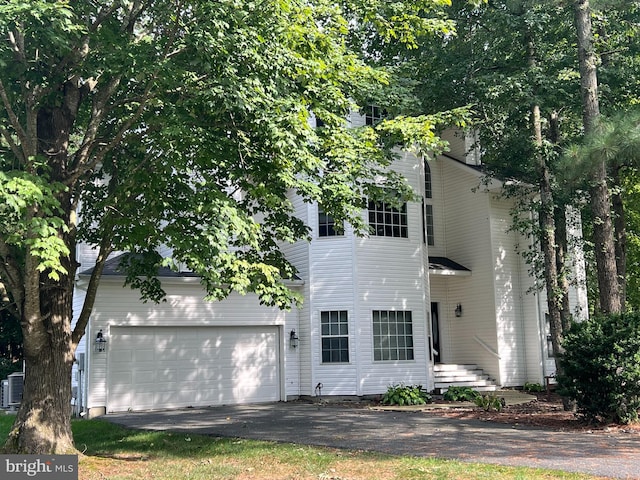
[460, 394]
[602, 368]
[490, 402]
[533, 387]
[405, 395]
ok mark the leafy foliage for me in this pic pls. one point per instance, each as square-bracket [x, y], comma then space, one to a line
[490, 402]
[182, 133]
[405, 395]
[533, 387]
[460, 394]
[602, 367]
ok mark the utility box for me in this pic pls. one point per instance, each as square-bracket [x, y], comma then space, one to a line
[16, 387]
[4, 394]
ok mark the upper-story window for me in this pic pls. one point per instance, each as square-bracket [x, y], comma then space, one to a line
[429, 230]
[388, 221]
[327, 226]
[428, 219]
[428, 191]
[373, 114]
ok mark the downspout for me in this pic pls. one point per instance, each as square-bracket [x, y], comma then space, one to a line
[356, 321]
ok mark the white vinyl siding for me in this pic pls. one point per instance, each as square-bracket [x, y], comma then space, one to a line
[331, 288]
[391, 276]
[118, 307]
[468, 241]
[509, 296]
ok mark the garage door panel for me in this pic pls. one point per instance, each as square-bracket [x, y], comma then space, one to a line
[192, 366]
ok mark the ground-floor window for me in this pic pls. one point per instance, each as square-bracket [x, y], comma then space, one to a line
[334, 334]
[392, 335]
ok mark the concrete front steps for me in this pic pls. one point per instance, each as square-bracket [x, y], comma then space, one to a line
[448, 375]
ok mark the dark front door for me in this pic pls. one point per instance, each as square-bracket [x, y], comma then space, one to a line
[435, 332]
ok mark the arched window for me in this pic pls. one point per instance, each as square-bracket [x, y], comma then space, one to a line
[428, 192]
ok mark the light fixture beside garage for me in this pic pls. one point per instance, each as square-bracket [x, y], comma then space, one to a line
[459, 310]
[293, 339]
[100, 345]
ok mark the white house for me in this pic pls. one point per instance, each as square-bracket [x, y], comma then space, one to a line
[438, 283]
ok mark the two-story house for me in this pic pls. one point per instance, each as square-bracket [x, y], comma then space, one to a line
[437, 284]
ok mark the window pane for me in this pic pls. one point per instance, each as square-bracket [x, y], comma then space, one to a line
[326, 225]
[387, 221]
[334, 336]
[392, 339]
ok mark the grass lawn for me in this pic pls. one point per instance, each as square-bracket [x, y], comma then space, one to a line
[112, 452]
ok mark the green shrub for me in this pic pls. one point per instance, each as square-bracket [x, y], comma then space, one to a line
[602, 368]
[460, 394]
[489, 402]
[405, 395]
[533, 387]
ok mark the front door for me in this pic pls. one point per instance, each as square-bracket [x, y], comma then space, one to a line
[435, 332]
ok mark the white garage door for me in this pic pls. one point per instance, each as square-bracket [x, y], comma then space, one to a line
[170, 367]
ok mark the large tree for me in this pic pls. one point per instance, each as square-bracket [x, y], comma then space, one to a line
[603, 227]
[518, 72]
[528, 68]
[180, 125]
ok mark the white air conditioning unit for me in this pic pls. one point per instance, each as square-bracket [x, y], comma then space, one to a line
[4, 394]
[16, 386]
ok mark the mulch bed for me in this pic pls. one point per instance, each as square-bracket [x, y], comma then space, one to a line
[545, 412]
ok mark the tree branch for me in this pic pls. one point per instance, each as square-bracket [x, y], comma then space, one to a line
[19, 154]
[92, 290]
[12, 280]
[6, 303]
[81, 163]
[13, 118]
[16, 39]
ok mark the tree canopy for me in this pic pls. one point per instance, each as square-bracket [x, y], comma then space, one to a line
[179, 126]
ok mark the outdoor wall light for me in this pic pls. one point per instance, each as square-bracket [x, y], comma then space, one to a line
[459, 310]
[100, 345]
[293, 339]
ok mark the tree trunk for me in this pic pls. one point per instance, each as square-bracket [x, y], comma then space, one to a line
[43, 422]
[548, 242]
[620, 232]
[604, 248]
[561, 261]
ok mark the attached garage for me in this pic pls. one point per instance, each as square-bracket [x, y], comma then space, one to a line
[170, 367]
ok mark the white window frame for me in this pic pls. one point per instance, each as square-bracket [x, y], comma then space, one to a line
[334, 326]
[373, 114]
[387, 221]
[328, 227]
[393, 336]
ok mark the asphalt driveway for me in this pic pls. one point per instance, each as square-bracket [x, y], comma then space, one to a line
[611, 454]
